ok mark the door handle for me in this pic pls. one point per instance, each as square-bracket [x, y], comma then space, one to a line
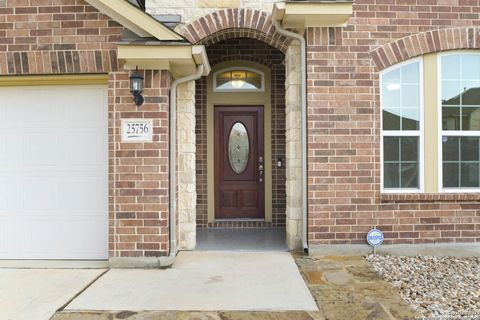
[260, 168]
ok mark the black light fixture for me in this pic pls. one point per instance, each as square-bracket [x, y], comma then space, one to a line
[136, 87]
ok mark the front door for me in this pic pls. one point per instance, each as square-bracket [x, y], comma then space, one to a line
[239, 163]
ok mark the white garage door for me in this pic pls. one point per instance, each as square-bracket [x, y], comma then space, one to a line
[53, 172]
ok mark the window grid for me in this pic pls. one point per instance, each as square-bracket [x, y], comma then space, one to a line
[456, 133]
[399, 133]
[399, 161]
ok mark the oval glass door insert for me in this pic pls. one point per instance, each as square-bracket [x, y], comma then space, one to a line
[238, 148]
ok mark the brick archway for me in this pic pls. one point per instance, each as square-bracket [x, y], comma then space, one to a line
[234, 23]
[218, 28]
[424, 43]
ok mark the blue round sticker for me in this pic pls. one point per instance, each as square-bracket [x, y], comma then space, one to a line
[375, 237]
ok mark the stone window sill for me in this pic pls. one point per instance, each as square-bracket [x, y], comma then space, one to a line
[429, 197]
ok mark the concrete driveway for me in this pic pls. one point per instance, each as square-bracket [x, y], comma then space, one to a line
[37, 293]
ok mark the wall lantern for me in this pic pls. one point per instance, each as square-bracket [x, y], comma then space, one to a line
[136, 87]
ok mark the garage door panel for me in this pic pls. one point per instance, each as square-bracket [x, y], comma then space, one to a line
[83, 193]
[76, 238]
[10, 188]
[76, 142]
[12, 151]
[41, 193]
[4, 230]
[54, 172]
[41, 237]
[26, 111]
[40, 148]
[90, 112]
[87, 236]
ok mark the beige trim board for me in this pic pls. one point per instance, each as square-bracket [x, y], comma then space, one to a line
[301, 15]
[180, 59]
[135, 19]
[431, 130]
[233, 99]
[38, 80]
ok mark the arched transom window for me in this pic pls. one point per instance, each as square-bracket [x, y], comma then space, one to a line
[238, 79]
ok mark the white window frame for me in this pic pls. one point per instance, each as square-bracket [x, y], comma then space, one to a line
[453, 133]
[262, 76]
[404, 133]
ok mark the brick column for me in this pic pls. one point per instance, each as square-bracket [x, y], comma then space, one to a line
[187, 194]
[294, 146]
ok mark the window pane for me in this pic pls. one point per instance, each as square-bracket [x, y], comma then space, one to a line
[401, 98]
[451, 67]
[391, 96]
[471, 67]
[391, 77]
[469, 149]
[469, 175]
[400, 162]
[461, 162]
[410, 119]
[460, 94]
[451, 90]
[410, 73]
[451, 118]
[391, 177]
[409, 149]
[409, 178]
[391, 149]
[410, 95]
[471, 93]
[450, 148]
[391, 119]
[471, 118]
[450, 175]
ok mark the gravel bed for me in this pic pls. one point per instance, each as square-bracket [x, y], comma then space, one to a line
[436, 287]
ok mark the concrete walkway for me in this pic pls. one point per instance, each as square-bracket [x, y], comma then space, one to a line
[37, 293]
[344, 288]
[204, 281]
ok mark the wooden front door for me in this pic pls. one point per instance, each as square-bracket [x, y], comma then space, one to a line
[239, 163]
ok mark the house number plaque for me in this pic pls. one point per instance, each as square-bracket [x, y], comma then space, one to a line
[137, 130]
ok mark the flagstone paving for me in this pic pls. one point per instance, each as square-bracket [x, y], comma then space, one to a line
[344, 288]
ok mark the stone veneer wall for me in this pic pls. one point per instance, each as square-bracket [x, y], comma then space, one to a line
[187, 194]
[190, 10]
[255, 51]
[294, 146]
[71, 37]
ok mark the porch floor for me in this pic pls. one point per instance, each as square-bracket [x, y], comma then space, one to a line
[272, 239]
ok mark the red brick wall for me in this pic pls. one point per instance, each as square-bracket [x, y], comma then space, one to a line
[69, 36]
[343, 124]
[259, 52]
[140, 177]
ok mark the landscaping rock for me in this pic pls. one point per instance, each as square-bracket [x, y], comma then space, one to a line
[436, 287]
